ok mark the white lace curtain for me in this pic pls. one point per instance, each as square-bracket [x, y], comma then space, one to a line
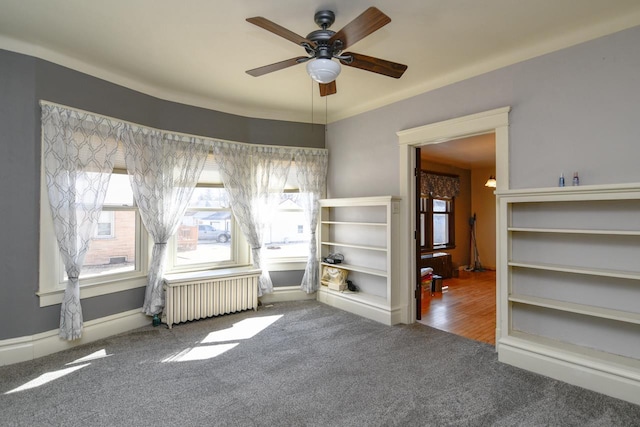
[311, 167]
[254, 177]
[79, 150]
[164, 169]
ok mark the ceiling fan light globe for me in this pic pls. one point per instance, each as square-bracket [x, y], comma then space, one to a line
[323, 70]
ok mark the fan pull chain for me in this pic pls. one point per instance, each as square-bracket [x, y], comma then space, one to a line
[326, 114]
[312, 105]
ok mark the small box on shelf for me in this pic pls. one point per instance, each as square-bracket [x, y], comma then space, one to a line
[334, 278]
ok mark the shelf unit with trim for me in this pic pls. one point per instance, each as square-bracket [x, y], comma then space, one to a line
[570, 285]
[364, 230]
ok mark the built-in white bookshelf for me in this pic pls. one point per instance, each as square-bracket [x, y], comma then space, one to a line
[365, 231]
[570, 285]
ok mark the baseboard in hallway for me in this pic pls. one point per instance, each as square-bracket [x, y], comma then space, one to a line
[466, 308]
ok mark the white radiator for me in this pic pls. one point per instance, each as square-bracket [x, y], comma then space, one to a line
[192, 296]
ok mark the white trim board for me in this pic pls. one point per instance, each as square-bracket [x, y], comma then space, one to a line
[22, 349]
[475, 124]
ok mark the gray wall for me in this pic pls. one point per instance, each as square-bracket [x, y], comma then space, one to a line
[577, 109]
[23, 82]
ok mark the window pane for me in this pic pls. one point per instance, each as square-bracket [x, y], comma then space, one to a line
[440, 229]
[440, 205]
[205, 233]
[105, 225]
[119, 192]
[104, 229]
[204, 236]
[214, 198]
[114, 252]
[288, 234]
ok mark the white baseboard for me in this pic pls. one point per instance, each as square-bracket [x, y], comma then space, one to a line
[286, 293]
[361, 306]
[621, 382]
[21, 349]
[25, 348]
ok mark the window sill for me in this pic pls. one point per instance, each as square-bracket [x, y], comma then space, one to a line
[194, 268]
[54, 296]
[441, 248]
[179, 278]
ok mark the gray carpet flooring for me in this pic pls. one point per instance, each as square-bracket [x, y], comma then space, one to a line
[312, 365]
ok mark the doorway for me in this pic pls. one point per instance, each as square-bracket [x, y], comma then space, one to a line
[457, 243]
[495, 121]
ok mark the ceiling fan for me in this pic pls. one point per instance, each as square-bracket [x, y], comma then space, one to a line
[324, 45]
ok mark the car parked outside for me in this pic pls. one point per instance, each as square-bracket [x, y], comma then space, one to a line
[208, 232]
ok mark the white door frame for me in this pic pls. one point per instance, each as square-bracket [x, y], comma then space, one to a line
[476, 124]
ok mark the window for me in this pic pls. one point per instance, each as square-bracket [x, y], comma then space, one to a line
[114, 261]
[288, 235]
[207, 236]
[104, 229]
[437, 223]
[113, 247]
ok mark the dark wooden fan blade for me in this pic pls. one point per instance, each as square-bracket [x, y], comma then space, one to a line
[375, 65]
[280, 31]
[328, 88]
[369, 21]
[275, 67]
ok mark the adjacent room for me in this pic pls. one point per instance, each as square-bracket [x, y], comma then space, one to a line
[457, 237]
[311, 205]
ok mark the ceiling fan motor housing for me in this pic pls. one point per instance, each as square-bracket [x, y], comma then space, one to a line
[324, 50]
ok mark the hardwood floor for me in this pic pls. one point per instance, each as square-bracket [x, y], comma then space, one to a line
[466, 308]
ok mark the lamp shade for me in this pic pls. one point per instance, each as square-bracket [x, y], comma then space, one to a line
[491, 182]
[323, 70]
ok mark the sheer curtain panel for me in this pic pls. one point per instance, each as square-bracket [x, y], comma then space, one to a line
[78, 158]
[254, 177]
[164, 169]
[311, 169]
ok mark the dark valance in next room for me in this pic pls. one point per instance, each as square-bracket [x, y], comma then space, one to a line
[440, 186]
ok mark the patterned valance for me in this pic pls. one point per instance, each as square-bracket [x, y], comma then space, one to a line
[441, 186]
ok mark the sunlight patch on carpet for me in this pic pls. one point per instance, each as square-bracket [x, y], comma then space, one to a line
[46, 378]
[93, 356]
[242, 330]
[200, 353]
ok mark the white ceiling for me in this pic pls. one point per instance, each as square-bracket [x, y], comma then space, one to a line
[473, 152]
[197, 51]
